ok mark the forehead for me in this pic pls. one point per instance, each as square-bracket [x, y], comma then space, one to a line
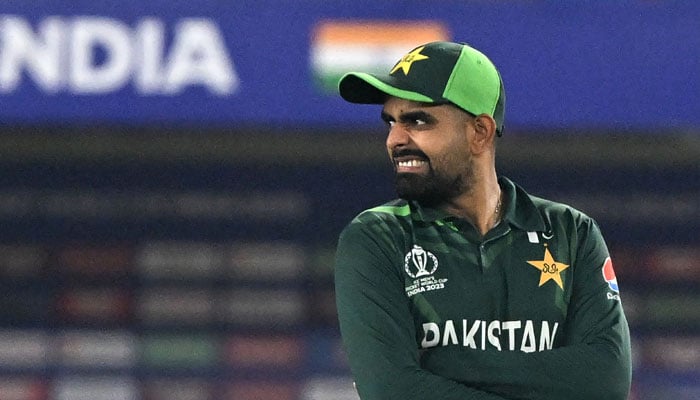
[393, 103]
[395, 106]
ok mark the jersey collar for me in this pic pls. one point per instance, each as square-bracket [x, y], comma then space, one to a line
[519, 210]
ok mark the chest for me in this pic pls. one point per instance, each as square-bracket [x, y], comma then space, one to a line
[517, 276]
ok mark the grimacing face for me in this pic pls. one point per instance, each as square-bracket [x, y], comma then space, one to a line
[428, 147]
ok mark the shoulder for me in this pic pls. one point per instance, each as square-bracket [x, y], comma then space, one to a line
[385, 223]
[567, 221]
[555, 209]
[376, 233]
[394, 212]
[531, 212]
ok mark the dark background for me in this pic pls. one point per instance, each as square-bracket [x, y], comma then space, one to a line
[181, 247]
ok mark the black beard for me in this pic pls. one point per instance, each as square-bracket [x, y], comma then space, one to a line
[428, 190]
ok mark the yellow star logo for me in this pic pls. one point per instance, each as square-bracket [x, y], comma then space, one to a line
[551, 269]
[408, 60]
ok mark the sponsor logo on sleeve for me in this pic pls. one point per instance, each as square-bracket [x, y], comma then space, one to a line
[611, 279]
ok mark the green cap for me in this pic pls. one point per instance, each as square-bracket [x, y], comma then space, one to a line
[436, 72]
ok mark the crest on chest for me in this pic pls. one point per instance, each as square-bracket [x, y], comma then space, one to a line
[420, 266]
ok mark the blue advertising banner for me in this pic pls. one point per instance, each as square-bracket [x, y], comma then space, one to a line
[627, 65]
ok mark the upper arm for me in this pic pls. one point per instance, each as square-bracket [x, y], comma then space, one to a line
[373, 312]
[596, 314]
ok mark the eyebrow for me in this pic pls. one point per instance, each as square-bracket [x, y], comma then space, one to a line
[409, 116]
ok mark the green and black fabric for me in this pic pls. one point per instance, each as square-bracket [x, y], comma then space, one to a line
[428, 309]
[437, 73]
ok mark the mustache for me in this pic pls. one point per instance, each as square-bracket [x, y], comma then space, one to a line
[408, 152]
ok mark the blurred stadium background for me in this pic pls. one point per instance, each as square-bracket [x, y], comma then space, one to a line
[174, 175]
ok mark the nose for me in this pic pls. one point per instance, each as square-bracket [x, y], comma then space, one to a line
[398, 136]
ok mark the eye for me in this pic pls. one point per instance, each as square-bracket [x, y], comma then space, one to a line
[419, 121]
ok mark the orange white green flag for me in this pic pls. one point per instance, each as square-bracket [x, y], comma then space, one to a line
[340, 46]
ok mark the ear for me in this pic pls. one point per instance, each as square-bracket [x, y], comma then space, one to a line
[484, 133]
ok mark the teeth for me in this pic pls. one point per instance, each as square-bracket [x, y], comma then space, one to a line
[411, 163]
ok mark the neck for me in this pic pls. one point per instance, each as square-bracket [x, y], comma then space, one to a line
[482, 206]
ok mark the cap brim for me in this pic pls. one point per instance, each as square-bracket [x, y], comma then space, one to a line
[364, 88]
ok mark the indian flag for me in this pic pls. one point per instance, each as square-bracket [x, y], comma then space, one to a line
[369, 46]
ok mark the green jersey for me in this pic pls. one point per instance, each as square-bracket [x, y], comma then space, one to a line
[429, 309]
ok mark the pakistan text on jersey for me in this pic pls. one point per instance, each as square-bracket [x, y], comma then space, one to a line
[525, 336]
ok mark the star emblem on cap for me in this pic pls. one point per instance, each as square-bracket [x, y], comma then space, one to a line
[406, 61]
[549, 268]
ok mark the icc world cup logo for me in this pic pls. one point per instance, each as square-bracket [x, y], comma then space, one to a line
[419, 262]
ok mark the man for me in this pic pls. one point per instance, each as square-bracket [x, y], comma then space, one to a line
[467, 287]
